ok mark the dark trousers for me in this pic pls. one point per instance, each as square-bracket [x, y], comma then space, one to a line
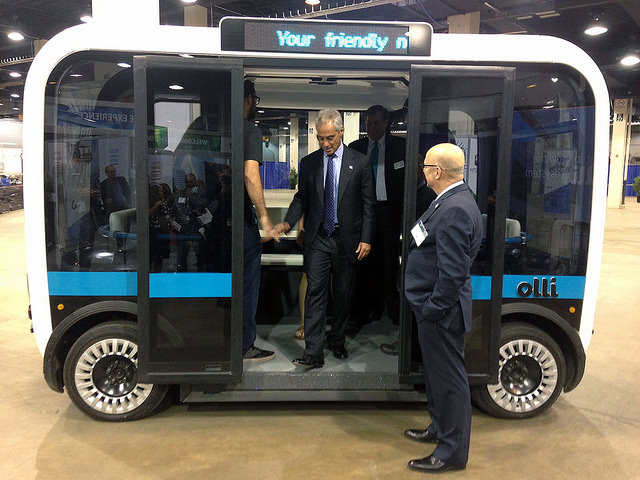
[327, 267]
[252, 253]
[447, 387]
[185, 243]
[377, 275]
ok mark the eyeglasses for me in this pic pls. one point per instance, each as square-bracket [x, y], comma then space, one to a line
[256, 99]
[425, 165]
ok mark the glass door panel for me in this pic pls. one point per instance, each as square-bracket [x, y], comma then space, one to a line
[190, 265]
[471, 107]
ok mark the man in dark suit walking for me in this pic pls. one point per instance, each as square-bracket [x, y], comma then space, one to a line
[444, 243]
[336, 196]
[376, 283]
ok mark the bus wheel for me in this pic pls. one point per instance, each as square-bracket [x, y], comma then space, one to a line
[101, 374]
[531, 374]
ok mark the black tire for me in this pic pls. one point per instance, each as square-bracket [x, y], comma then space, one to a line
[531, 374]
[100, 375]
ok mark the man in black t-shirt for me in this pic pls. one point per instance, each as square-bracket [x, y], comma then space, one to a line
[253, 196]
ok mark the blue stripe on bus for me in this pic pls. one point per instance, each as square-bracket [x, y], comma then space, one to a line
[161, 285]
[565, 287]
[88, 284]
[215, 285]
[481, 287]
[189, 285]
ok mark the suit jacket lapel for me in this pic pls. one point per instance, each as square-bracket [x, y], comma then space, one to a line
[346, 171]
[317, 176]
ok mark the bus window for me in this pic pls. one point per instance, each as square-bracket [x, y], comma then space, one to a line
[89, 167]
[551, 172]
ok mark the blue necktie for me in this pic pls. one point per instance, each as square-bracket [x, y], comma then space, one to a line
[328, 222]
[374, 159]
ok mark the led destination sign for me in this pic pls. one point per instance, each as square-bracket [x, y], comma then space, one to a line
[305, 36]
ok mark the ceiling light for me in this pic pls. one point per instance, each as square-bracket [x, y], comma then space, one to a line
[596, 29]
[312, 2]
[15, 95]
[186, 55]
[554, 79]
[189, 1]
[75, 75]
[86, 18]
[15, 36]
[124, 65]
[15, 74]
[630, 60]
[15, 108]
[176, 87]
[1, 104]
[260, 111]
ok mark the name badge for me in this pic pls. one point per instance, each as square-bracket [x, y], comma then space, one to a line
[419, 233]
[398, 165]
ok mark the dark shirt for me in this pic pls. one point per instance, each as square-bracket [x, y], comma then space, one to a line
[252, 151]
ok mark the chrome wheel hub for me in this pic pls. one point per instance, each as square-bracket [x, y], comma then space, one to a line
[527, 376]
[106, 377]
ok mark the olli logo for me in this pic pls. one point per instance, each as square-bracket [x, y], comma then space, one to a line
[542, 287]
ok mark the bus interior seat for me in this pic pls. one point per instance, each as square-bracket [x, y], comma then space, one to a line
[120, 222]
[512, 227]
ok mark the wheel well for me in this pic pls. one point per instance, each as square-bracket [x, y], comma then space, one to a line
[560, 336]
[75, 331]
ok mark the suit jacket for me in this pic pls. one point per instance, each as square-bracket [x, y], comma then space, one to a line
[356, 198]
[106, 192]
[394, 156]
[438, 275]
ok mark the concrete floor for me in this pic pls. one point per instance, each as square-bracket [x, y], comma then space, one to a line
[590, 433]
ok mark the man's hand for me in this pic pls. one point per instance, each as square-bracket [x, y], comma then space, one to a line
[267, 227]
[281, 229]
[363, 250]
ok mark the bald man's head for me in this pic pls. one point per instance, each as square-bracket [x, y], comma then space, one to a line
[444, 166]
[449, 157]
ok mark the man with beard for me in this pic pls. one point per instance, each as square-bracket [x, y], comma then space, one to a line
[253, 196]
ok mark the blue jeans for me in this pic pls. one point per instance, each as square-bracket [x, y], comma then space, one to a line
[252, 253]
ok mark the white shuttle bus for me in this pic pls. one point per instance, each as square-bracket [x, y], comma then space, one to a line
[134, 292]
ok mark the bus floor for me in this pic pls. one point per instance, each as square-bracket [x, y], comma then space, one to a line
[590, 433]
[364, 349]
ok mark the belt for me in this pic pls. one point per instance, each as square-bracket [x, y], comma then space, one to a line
[336, 229]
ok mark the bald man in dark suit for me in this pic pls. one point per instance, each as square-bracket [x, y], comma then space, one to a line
[443, 245]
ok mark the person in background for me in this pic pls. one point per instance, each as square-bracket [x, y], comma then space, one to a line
[377, 276]
[114, 191]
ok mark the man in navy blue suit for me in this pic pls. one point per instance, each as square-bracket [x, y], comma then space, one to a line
[336, 196]
[444, 243]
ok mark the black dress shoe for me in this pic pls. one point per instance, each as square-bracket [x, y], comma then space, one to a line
[308, 362]
[433, 464]
[421, 435]
[340, 353]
